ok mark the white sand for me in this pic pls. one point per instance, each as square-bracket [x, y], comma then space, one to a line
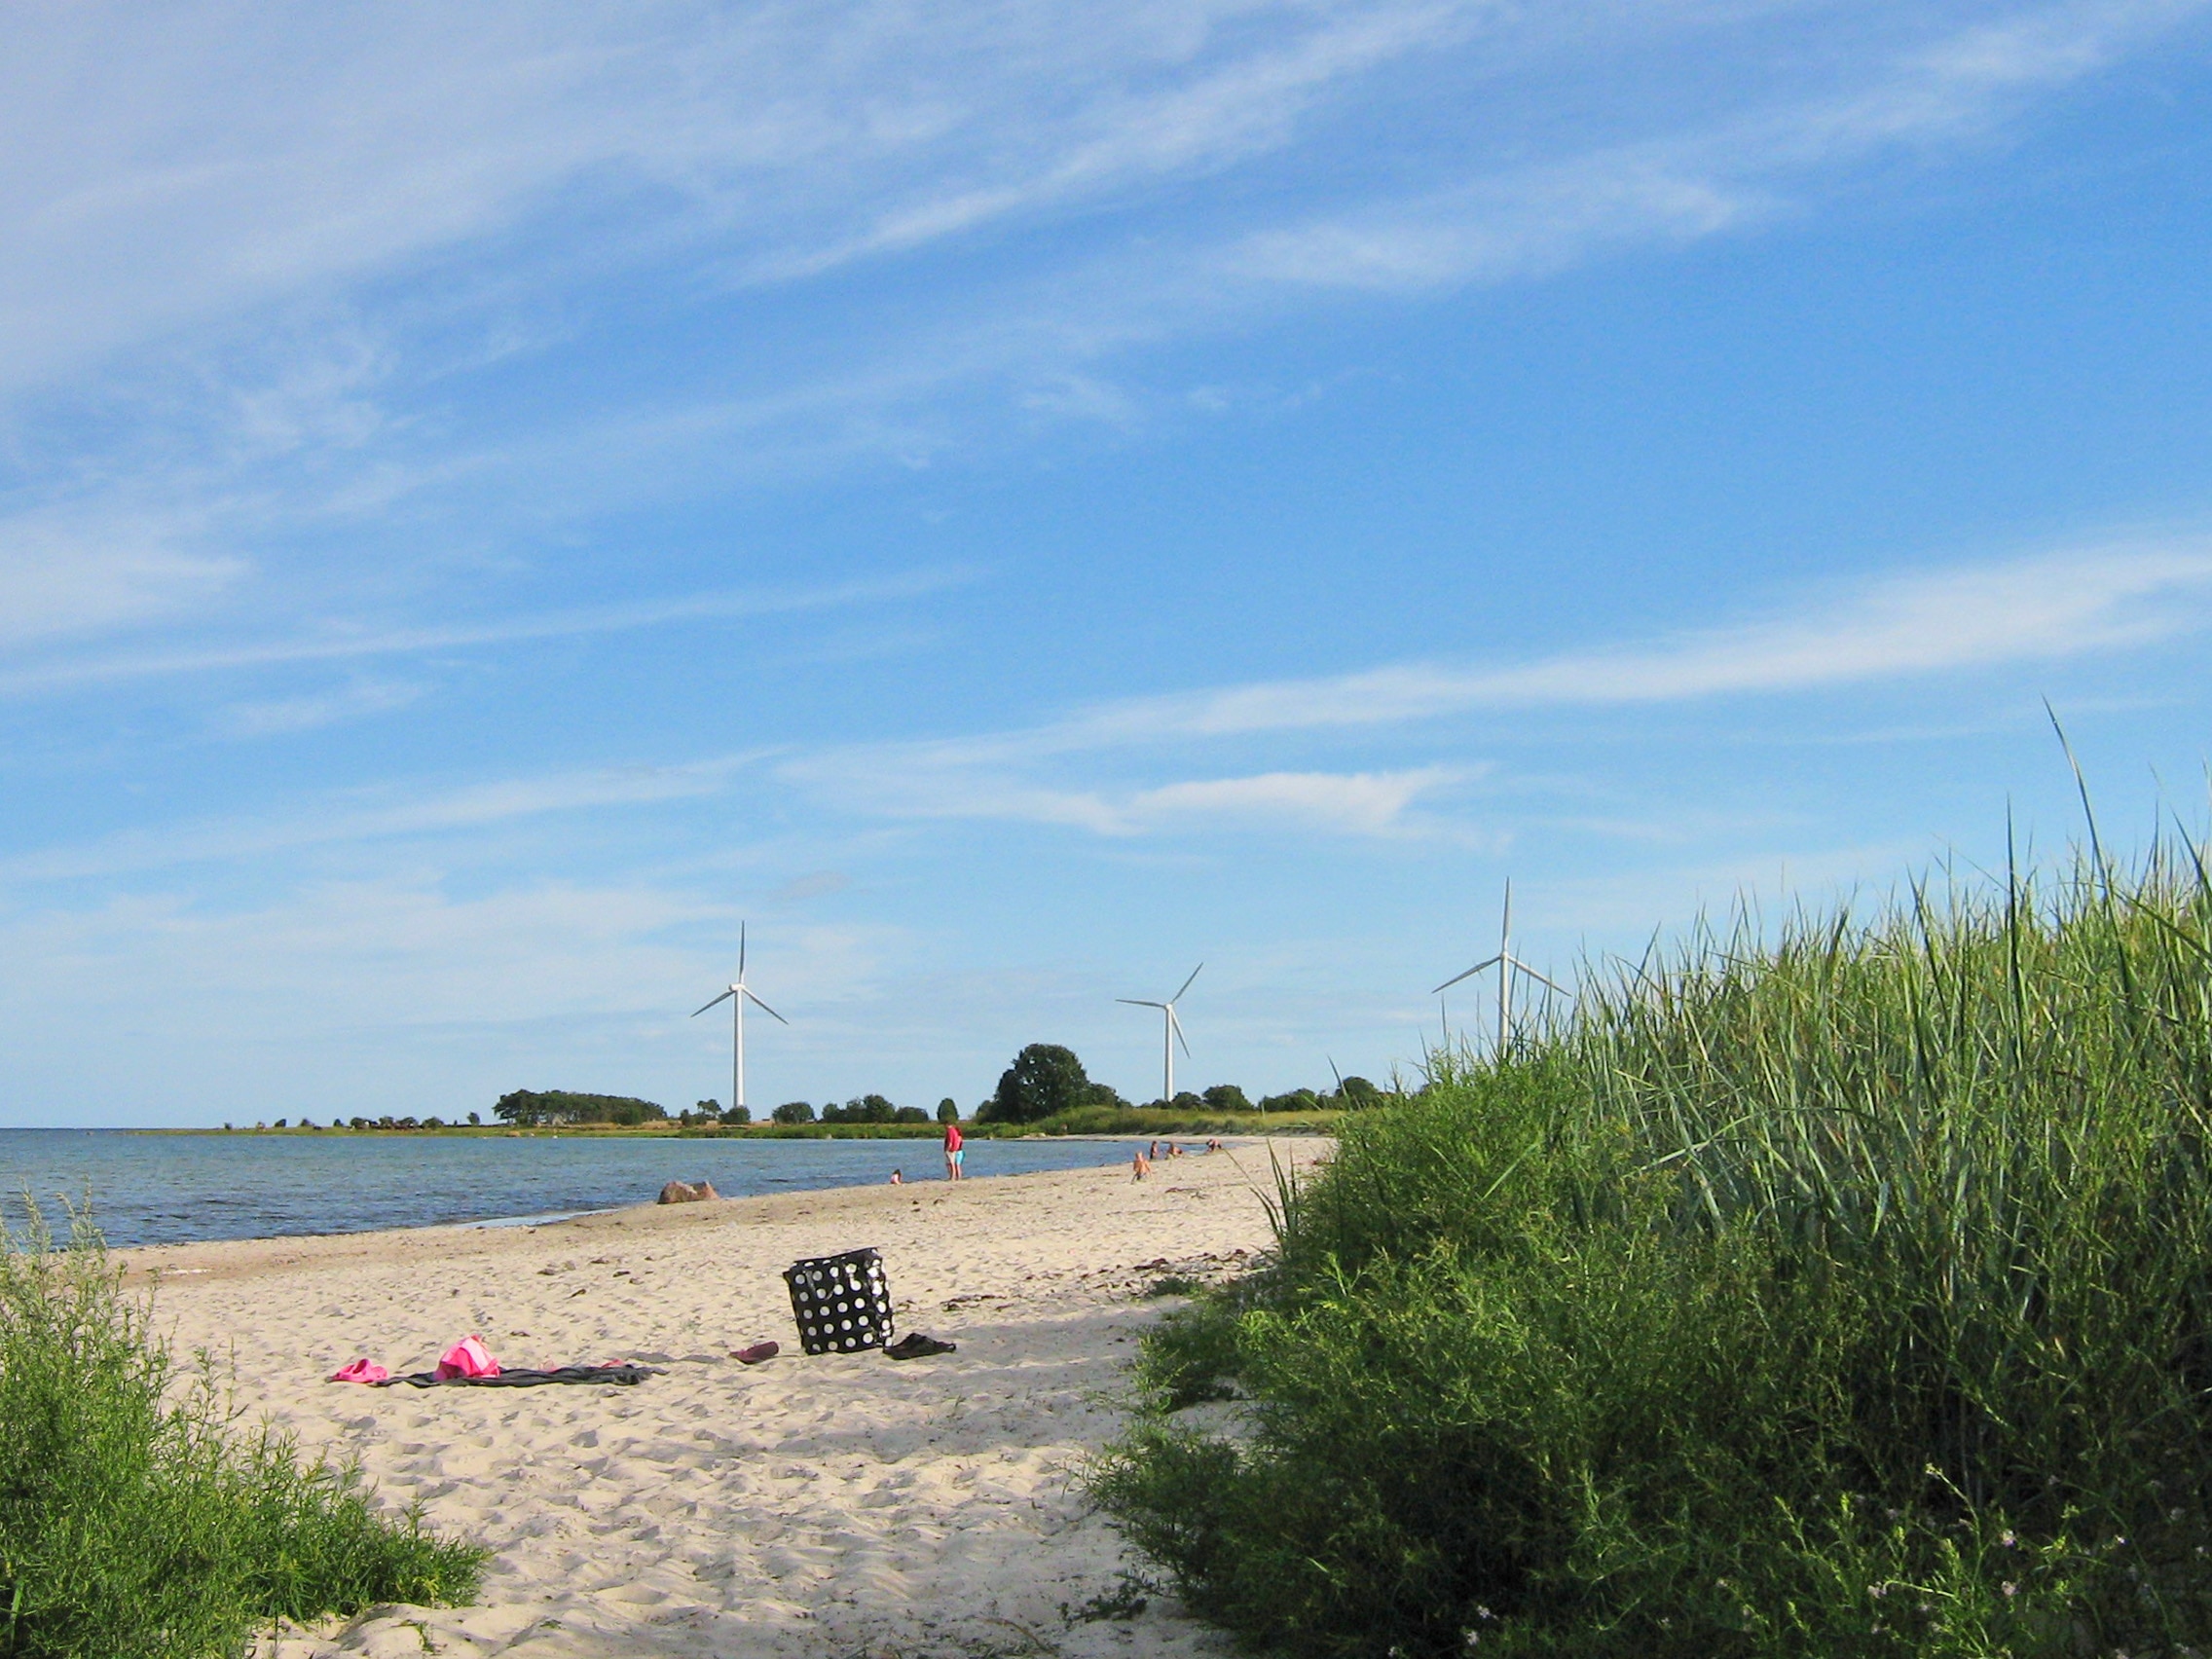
[839, 1506]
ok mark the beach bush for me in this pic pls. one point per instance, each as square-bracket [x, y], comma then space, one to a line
[1845, 1289]
[1045, 1081]
[132, 1521]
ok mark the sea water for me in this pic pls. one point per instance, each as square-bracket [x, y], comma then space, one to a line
[163, 1189]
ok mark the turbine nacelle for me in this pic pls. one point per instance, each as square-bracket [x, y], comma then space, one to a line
[737, 996]
[1172, 1032]
[1507, 965]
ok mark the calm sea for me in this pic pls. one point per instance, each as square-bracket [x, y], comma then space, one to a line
[168, 1188]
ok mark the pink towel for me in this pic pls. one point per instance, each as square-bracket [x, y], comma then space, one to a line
[467, 1357]
[361, 1371]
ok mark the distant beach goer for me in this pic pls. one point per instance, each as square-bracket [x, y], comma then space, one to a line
[1174, 1151]
[955, 1153]
[1213, 1144]
[897, 1177]
[1140, 1165]
[1152, 1152]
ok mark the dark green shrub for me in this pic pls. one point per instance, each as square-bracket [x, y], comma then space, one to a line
[131, 1524]
[949, 1110]
[1045, 1079]
[1847, 1295]
[793, 1112]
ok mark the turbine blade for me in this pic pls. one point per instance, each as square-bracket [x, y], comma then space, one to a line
[1139, 1002]
[741, 950]
[1194, 973]
[1522, 966]
[764, 1008]
[725, 996]
[1486, 961]
[1176, 1025]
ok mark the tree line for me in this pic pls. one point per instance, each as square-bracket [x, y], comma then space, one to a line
[1045, 1081]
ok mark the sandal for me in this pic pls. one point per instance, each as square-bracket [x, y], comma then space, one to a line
[754, 1354]
[915, 1345]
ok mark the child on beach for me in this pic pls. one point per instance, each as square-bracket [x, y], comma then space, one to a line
[955, 1154]
[1140, 1165]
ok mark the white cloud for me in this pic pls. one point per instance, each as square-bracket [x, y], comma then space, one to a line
[913, 784]
[340, 645]
[186, 167]
[2042, 608]
[60, 578]
[2037, 610]
[1698, 180]
[285, 716]
[364, 816]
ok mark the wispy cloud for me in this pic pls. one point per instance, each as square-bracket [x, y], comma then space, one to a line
[1700, 180]
[285, 716]
[2045, 608]
[1336, 803]
[361, 816]
[341, 646]
[57, 583]
[2041, 609]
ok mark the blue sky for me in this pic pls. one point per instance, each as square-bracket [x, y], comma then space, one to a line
[1011, 499]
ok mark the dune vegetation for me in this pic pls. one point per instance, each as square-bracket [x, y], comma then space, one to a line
[133, 1520]
[1842, 1288]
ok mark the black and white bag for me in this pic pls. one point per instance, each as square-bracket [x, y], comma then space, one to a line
[842, 1303]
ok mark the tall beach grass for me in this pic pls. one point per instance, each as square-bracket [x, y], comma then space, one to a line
[1842, 1292]
[136, 1520]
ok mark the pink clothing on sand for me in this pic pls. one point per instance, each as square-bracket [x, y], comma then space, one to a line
[467, 1357]
[361, 1371]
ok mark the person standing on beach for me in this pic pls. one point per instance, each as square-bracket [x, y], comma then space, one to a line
[955, 1153]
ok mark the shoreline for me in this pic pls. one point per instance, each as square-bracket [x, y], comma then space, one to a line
[796, 1204]
[807, 1508]
[533, 1220]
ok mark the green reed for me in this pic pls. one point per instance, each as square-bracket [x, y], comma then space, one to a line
[133, 1522]
[1840, 1288]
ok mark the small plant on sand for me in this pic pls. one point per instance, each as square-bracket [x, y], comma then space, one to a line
[133, 1524]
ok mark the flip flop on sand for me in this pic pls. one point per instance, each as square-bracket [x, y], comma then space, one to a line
[754, 1354]
[915, 1345]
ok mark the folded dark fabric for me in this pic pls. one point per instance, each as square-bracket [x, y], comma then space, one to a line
[622, 1374]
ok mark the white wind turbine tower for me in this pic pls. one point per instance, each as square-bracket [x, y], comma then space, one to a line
[1170, 1035]
[1505, 962]
[739, 994]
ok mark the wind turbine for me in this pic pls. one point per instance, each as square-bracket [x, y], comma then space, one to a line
[1505, 962]
[739, 994]
[1170, 1035]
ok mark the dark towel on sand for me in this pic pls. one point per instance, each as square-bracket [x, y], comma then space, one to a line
[624, 1374]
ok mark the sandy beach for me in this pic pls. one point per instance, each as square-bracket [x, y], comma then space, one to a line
[838, 1506]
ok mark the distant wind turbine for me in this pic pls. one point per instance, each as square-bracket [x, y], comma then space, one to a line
[1505, 962]
[739, 994]
[1170, 1035]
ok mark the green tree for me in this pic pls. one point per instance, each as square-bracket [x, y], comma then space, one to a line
[949, 1110]
[1226, 1097]
[1045, 1079]
[793, 1112]
[1356, 1094]
[736, 1114]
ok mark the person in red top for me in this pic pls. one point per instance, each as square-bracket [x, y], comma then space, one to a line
[954, 1153]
